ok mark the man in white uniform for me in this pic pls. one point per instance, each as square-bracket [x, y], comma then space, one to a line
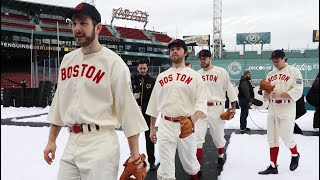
[93, 98]
[178, 91]
[216, 83]
[288, 89]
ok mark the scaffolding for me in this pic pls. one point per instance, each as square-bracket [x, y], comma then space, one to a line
[217, 25]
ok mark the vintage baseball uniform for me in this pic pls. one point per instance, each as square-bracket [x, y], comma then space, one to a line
[177, 92]
[288, 79]
[94, 89]
[216, 84]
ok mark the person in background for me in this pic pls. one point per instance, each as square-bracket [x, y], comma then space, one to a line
[143, 85]
[313, 99]
[188, 64]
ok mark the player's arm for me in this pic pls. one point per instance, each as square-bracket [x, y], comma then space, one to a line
[51, 146]
[230, 92]
[133, 142]
[197, 115]
[201, 101]
[153, 132]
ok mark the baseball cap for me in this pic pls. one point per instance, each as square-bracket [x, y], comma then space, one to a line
[178, 42]
[87, 9]
[204, 53]
[246, 72]
[277, 54]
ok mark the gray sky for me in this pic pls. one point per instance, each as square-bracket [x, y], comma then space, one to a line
[290, 21]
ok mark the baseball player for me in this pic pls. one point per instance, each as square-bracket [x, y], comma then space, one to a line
[178, 92]
[93, 98]
[288, 88]
[216, 83]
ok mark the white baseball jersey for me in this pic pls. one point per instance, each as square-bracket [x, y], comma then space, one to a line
[177, 92]
[288, 79]
[96, 88]
[216, 83]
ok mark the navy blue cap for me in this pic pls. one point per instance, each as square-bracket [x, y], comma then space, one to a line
[277, 54]
[87, 9]
[204, 53]
[178, 42]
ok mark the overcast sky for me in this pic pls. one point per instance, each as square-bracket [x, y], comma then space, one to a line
[290, 21]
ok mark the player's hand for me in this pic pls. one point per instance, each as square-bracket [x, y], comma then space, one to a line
[50, 149]
[153, 136]
[266, 95]
[233, 112]
[276, 94]
[136, 95]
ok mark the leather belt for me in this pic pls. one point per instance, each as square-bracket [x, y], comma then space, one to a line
[77, 128]
[214, 103]
[170, 119]
[280, 101]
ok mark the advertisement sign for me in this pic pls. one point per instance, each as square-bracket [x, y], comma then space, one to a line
[315, 36]
[197, 40]
[253, 38]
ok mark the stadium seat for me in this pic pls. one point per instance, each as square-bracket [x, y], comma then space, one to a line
[311, 53]
[162, 37]
[131, 33]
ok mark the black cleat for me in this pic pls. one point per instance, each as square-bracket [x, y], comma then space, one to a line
[269, 170]
[245, 130]
[153, 167]
[220, 163]
[294, 162]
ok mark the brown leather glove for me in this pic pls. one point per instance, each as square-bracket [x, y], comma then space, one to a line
[266, 86]
[186, 126]
[229, 114]
[137, 168]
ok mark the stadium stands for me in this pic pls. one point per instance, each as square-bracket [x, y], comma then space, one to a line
[266, 54]
[51, 29]
[294, 54]
[53, 21]
[250, 55]
[17, 25]
[232, 55]
[131, 33]
[162, 37]
[15, 16]
[105, 32]
[311, 53]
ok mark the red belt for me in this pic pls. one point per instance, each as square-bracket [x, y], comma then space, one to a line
[79, 128]
[214, 103]
[170, 119]
[281, 101]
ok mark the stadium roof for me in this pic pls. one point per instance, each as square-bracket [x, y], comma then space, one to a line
[36, 7]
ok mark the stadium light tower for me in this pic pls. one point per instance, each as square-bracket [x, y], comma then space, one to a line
[217, 24]
[92, 2]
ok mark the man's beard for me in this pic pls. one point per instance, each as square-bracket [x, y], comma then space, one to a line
[205, 65]
[88, 40]
[176, 59]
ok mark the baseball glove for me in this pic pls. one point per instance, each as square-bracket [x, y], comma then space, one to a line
[137, 168]
[229, 114]
[186, 126]
[265, 85]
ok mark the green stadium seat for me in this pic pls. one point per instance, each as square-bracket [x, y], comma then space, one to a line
[311, 53]
[293, 54]
[266, 54]
[232, 55]
[250, 55]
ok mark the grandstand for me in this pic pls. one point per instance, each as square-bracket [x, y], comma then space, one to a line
[21, 20]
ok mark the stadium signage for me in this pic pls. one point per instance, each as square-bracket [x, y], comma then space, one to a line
[198, 40]
[28, 46]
